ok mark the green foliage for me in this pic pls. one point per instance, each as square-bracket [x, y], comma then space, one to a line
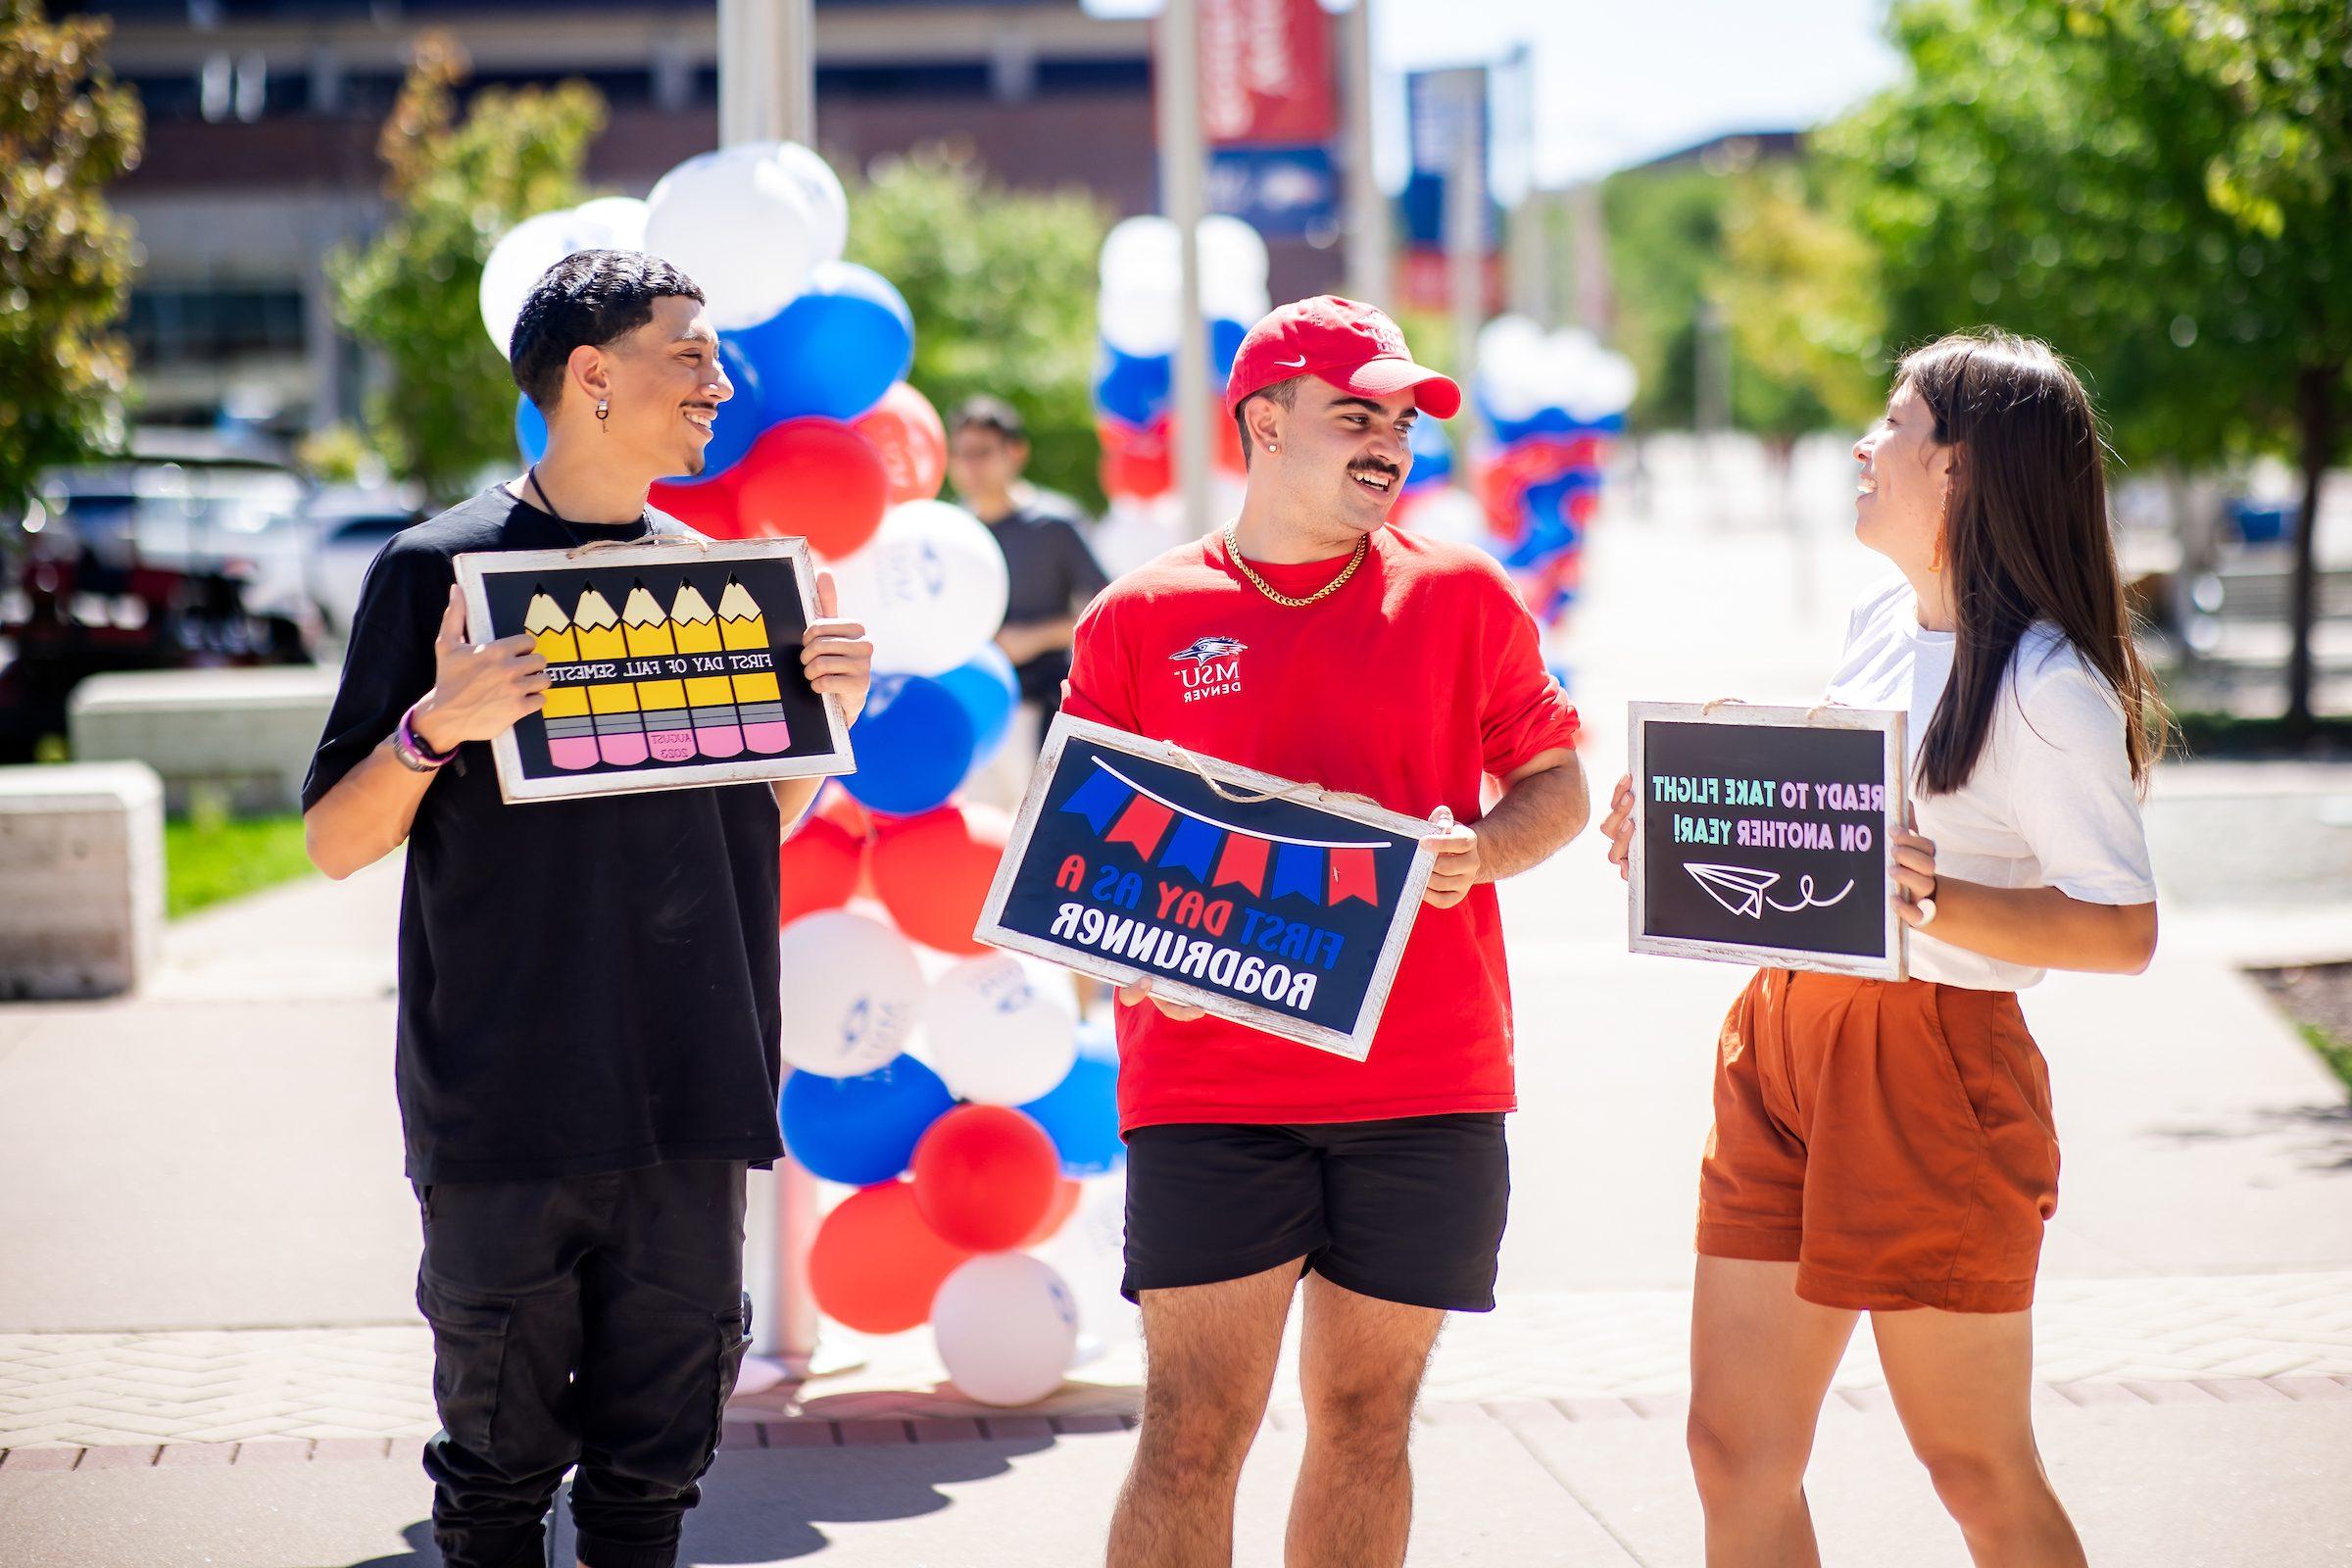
[1002, 287]
[447, 407]
[1792, 284]
[66, 129]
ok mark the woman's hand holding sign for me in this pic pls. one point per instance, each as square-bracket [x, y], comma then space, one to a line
[479, 689]
[1914, 878]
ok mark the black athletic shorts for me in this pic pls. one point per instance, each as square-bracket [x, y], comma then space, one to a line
[1410, 1211]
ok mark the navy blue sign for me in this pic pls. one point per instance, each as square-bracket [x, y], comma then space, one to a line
[1282, 192]
[1288, 913]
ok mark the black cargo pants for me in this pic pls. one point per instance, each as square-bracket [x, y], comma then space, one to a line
[590, 1321]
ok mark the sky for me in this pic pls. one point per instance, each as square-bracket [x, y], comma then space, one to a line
[1619, 82]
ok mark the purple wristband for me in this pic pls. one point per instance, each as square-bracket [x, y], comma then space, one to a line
[407, 738]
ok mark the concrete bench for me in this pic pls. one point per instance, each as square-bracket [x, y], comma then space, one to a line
[244, 735]
[81, 856]
[2239, 615]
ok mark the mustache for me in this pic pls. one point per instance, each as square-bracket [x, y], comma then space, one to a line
[1379, 465]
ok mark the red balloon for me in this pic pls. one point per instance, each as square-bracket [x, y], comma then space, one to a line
[709, 508]
[904, 428]
[1057, 1213]
[1135, 463]
[932, 871]
[814, 479]
[1225, 441]
[819, 865]
[984, 1177]
[876, 1265]
[840, 807]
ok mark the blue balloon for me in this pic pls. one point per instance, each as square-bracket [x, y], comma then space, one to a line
[1433, 455]
[988, 692]
[1132, 388]
[1224, 342]
[861, 1131]
[738, 423]
[530, 428]
[835, 350]
[913, 745]
[1081, 1115]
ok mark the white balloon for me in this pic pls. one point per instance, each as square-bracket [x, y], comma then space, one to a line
[1141, 253]
[1002, 1030]
[852, 993]
[1446, 512]
[1005, 1327]
[828, 203]
[522, 255]
[1233, 268]
[1131, 534]
[1142, 322]
[930, 587]
[609, 223]
[741, 225]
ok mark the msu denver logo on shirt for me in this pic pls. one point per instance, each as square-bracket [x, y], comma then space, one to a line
[1210, 667]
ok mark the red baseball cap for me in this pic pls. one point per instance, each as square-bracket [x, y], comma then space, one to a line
[1350, 345]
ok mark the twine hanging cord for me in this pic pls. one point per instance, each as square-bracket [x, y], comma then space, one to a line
[1441, 820]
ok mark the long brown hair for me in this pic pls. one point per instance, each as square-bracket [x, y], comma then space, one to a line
[2025, 538]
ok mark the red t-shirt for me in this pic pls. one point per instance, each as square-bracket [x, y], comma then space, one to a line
[1407, 685]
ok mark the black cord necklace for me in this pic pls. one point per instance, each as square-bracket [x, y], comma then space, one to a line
[644, 519]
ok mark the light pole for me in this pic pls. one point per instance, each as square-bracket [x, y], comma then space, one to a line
[1370, 277]
[1182, 157]
[767, 72]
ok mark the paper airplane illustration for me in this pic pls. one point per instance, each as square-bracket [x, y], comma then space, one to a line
[1741, 890]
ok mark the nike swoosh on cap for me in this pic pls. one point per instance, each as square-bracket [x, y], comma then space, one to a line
[1298, 363]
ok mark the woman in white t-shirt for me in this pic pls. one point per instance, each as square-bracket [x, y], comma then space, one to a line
[1888, 1148]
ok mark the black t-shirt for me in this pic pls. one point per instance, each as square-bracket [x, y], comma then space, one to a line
[1053, 575]
[585, 985]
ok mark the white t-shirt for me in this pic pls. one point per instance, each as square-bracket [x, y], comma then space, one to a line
[2051, 802]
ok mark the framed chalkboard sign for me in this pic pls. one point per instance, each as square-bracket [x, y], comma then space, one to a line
[1764, 835]
[1267, 902]
[673, 662]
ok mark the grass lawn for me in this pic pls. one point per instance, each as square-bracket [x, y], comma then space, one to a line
[210, 857]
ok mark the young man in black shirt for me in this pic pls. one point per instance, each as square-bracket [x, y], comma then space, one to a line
[587, 1059]
[1052, 574]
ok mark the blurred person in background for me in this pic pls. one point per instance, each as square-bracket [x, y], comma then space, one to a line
[1053, 575]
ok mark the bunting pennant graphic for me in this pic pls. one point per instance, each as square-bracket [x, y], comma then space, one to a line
[1218, 854]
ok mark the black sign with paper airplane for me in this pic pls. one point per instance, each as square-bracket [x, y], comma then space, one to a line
[1763, 835]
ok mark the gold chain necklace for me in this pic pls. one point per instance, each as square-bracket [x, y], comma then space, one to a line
[1233, 547]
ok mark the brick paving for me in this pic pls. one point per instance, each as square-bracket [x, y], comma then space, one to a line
[249, 1396]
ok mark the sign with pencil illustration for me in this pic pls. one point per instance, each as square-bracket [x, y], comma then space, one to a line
[671, 663]
[1763, 835]
[1274, 904]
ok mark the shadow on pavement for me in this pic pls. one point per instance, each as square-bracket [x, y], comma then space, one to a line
[764, 1505]
[2320, 1136]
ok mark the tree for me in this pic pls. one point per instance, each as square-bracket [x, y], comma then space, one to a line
[67, 128]
[446, 409]
[1001, 286]
[2162, 188]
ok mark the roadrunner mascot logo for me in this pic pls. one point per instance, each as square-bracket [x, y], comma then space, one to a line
[1206, 649]
[1210, 667]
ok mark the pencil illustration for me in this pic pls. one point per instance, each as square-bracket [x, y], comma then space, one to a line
[757, 699]
[570, 732]
[709, 699]
[662, 703]
[613, 703]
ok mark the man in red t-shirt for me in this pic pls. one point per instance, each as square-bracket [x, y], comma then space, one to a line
[1309, 640]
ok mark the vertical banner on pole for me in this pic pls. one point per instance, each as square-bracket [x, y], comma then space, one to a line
[1269, 109]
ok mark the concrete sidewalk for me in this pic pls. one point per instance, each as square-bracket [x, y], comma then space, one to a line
[209, 1352]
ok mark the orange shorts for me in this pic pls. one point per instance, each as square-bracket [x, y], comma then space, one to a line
[1890, 1139]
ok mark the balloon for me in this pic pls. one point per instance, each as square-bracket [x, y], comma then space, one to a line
[709, 508]
[852, 993]
[984, 1177]
[913, 744]
[905, 429]
[609, 223]
[1225, 336]
[1141, 253]
[861, 1130]
[875, 1265]
[835, 350]
[930, 588]
[1005, 1328]
[1233, 268]
[737, 424]
[1134, 531]
[818, 867]
[814, 479]
[741, 225]
[1130, 388]
[932, 872]
[1454, 515]
[1135, 463]
[1433, 455]
[1002, 1030]
[828, 203]
[530, 428]
[1143, 322]
[514, 266]
[1081, 1113]
[989, 691]
[1066, 1194]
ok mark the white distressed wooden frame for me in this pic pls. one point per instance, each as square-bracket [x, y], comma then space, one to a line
[663, 550]
[1357, 1043]
[1890, 723]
